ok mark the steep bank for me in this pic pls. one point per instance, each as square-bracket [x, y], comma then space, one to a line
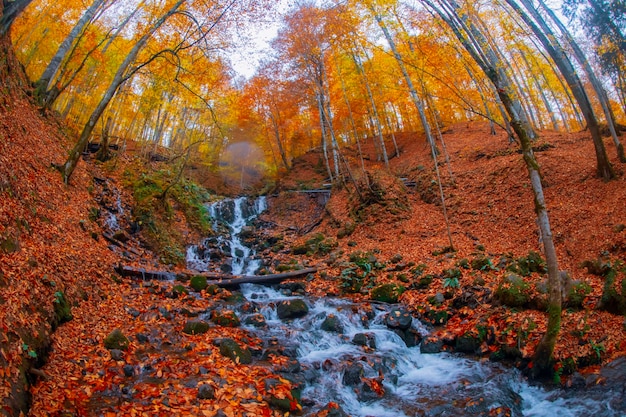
[47, 253]
[483, 291]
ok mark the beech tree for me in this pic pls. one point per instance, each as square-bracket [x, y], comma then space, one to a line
[477, 46]
[555, 50]
[11, 9]
[45, 90]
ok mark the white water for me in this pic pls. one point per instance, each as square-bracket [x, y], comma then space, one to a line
[415, 384]
[235, 214]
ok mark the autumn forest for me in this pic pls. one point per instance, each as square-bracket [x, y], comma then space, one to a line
[320, 208]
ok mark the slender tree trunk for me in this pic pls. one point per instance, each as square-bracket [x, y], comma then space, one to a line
[548, 40]
[420, 109]
[375, 116]
[11, 9]
[474, 42]
[120, 76]
[546, 103]
[44, 85]
[279, 143]
[595, 82]
[412, 91]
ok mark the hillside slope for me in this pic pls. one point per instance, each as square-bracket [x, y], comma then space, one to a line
[47, 255]
[492, 222]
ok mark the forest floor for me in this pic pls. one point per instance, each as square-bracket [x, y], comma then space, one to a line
[52, 250]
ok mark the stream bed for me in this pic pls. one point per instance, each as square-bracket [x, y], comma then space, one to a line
[365, 367]
[355, 356]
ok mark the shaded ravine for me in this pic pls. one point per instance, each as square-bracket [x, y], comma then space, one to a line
[347, 354]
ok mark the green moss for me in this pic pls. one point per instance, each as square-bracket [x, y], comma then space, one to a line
[387, 293]
[513, 292]
[62, 309]
[154, 213]
[577, 295]
[529, 264]
[482, 263]
[179, 290]
[198, 283]
[116, 340]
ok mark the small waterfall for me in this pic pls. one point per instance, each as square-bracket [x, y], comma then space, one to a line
[387, 378]
[230, 219]
[115, 212]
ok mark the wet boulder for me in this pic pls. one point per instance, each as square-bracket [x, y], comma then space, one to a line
[231, 349]
[288, 402]
[225, 318]
[196, 326]
[332, 324]
[398, 318]
[353, 374]
[431, 344]
[364, 339]
[116, 340]
[256, 320]
[292, 309]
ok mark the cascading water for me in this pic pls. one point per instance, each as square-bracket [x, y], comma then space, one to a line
[229, 216]
[380, 376]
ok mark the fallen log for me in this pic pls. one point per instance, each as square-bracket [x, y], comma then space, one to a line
[261, 279]
[221, 280]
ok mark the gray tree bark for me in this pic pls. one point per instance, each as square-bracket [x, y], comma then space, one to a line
[119, 78]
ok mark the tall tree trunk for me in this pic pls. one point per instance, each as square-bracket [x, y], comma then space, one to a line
[549, 42]
[281, 148]
[120, 77]
[412, 91]
[546, 103]
[11, 9]
[474, 42]
[420, 109]
[44, 85]
[375, 116]
[595, 82]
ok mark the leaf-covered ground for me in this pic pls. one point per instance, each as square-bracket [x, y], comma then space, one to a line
[53, 249]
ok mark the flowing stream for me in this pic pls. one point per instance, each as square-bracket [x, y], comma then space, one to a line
[230, 217]
[363, 365]
[331, 367]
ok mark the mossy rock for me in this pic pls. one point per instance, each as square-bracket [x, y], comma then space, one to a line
[292, 309]
[179, 289]
[576, 295]
[597, 267]
[212, 289]
[198, 283]
[230, 349]
[482, 263]
[235, 297]
[332, 324]
[284, 404]
[424, 282]
[196, 327]
[300, 250]
[62, 308]
[225, 318]
[526, 265]
[611, 300]
[9, 245]
[438, 317]
[512, 291]
[116, 340]
[387, 293]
